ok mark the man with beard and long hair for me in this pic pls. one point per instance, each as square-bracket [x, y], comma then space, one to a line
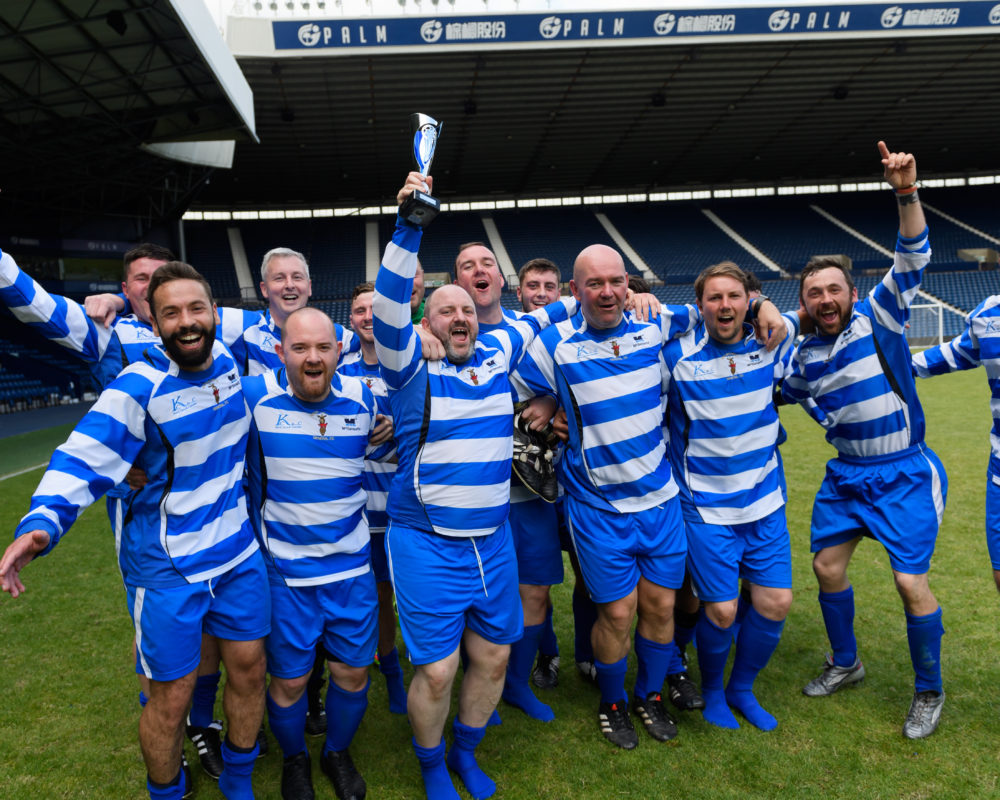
[187, 551]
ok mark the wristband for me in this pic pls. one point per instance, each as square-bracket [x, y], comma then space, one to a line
[908, 189]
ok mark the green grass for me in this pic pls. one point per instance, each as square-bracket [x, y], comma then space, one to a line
[25, 450]
[69, 712]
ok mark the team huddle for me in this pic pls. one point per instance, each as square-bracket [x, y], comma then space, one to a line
[276, 482]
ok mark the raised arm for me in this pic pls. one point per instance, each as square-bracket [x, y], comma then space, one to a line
[57, 318]
[395, 341]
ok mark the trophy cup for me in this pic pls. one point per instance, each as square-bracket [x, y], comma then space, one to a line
[420, 208]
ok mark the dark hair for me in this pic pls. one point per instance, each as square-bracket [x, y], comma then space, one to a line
[146, 250]
[362, 288]
[538, 265]
[724, 269]
[638, 285]
[818, 263]
[174, 271]
[753, 282]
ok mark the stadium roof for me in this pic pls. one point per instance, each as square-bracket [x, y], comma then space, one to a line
[567, 117]
[84, 85]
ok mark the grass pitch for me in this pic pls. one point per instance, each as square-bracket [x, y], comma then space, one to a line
[69, 712]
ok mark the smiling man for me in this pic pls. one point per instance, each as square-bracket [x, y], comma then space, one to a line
[621, 498]
[449, 501]
[186, 550]
[308, 438]
[854, 377]
[723, 450]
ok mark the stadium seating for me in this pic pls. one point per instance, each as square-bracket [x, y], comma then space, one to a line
[208, 252]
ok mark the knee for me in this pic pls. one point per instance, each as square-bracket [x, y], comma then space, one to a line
[286, 691]
[773, 604]
[437, 678]
[350, 679]
[721, 615]
[913, 589]
[829, 572]
[618, 615]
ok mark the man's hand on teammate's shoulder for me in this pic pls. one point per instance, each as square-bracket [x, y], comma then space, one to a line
[17, 555]
[430, 346]
[382, 432]
[103, 308]
[643, 305]
[769, 325]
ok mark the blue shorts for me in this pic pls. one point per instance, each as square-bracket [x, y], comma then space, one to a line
[993, 515]
[615, 549]
[444, 584]
[379, 565]
[535, 528]
[169, 622]
[342, 614]
[897, 500]
[719, 555]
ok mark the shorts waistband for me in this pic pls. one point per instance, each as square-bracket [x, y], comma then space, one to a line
[885, 458]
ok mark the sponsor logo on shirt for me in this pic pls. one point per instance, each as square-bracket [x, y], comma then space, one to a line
[700, 371]
[180, 405]
[283, 423]
[584, 351]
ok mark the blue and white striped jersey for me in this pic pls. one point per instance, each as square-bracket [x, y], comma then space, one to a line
[859, 384]
[380, 460]
[110, 350]
[610, 383]
[454, 430]
[188, 432]
[304, 467]
[978, 344]
[723, 423]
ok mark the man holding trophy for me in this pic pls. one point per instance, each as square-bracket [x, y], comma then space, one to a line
[449, 502]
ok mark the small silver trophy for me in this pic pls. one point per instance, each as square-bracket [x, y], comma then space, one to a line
[420, 208]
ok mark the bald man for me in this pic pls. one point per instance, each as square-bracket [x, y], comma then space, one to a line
[309, 432]
[621, 498]
[448, 505]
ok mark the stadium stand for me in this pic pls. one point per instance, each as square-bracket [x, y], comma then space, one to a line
[451, 230]
[334, 248]
[965, 290]
[208, 251]
[677, 240]
[558, 234]
[788, 231]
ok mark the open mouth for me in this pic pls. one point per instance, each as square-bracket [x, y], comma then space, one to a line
[189, 341]
[829, 316]
[459, 334]
[481, 285]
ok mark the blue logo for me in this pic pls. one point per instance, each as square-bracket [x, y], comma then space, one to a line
[179, 405]
[285, 424]
[583, 351]
[700, 371]
[991, 327]
[267, 341]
